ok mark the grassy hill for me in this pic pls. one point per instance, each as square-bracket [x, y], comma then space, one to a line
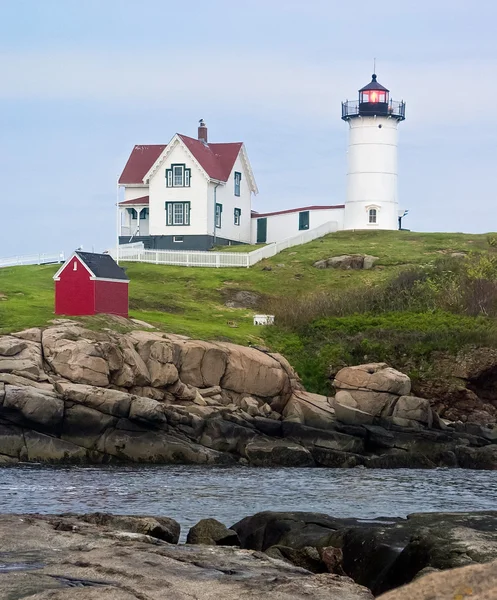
[192, 301]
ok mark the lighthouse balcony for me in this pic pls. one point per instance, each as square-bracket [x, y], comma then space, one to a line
[354, 108]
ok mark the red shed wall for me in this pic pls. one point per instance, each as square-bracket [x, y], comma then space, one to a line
[111, 297]
[75, 292]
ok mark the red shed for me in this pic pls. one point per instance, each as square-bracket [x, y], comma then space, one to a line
[89, 283]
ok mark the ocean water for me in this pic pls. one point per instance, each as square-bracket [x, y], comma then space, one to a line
[191, 493]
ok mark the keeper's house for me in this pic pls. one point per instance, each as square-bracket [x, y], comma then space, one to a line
[192, 195]
[88, 284]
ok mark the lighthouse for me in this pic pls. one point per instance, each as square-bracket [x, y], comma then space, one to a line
[372, 200]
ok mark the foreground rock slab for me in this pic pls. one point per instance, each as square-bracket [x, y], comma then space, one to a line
[476, 582]
[59, 558]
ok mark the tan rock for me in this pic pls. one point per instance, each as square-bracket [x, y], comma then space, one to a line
[32, 335]
[250, 406]
[111, 402]
[376, 377]
[79, 360]
[253, 372]
[24, 381]
[133, 371]
[148, 411]
[36, 406]
[374, 403]
[10, 346]
[309, 409]
[414, 409]
[210, 392]
[474, 582]
[21, 357]
[201, 364]
[352, 416]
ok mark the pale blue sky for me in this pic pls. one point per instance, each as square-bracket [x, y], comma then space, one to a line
[82, 81]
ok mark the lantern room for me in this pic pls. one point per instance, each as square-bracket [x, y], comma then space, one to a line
[374, 100]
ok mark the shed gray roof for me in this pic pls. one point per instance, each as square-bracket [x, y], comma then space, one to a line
[103, 266]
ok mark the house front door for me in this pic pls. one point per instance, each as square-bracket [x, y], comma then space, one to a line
[261, 231]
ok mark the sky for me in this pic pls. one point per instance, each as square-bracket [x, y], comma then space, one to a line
[83, 81]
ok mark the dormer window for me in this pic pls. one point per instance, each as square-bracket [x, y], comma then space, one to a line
[178, 176]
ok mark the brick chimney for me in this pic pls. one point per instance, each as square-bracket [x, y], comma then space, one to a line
[202, 131]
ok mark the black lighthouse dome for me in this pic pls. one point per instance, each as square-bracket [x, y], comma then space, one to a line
[374, 100]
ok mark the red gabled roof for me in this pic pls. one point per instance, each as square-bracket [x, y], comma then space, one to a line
[256, 215]
[139, 162]
[142, 200]
[217, 160]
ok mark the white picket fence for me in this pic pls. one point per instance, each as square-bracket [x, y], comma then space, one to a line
[186, 258]
[32, 259]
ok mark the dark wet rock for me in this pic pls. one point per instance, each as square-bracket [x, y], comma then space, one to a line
[268, 452]
[381, 553]
[212, 533]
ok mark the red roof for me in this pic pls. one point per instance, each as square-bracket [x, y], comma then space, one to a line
[139, 162]
[217, 160]
[142, 200]
[256, 215]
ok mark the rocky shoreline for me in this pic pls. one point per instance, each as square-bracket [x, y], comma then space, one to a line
[286, 556]
[72, 395]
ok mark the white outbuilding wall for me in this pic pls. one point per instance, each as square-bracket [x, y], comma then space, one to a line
[283, 225]
[372, 173]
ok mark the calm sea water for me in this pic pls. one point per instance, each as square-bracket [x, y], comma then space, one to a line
[190, 493]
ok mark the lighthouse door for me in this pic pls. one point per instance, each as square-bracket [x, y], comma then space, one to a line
[261, 231]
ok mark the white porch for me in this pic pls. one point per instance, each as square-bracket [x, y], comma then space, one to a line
[134, 220]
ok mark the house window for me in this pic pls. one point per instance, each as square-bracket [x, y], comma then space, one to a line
[219, 212]
[178, 238]
[178, 176]
[304, 220]
[144, 214]
[238, 179]
[238, 216]
[372, 215]
[177, 213]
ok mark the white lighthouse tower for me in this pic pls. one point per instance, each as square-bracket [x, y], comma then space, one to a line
[372, 201]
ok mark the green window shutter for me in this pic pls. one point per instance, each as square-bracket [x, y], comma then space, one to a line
[169, 213]
[304, 220]
[187, 177]
[169, 178]
[186, 208]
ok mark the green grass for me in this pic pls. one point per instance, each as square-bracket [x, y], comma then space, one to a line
[238, 248]
[191, 301]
